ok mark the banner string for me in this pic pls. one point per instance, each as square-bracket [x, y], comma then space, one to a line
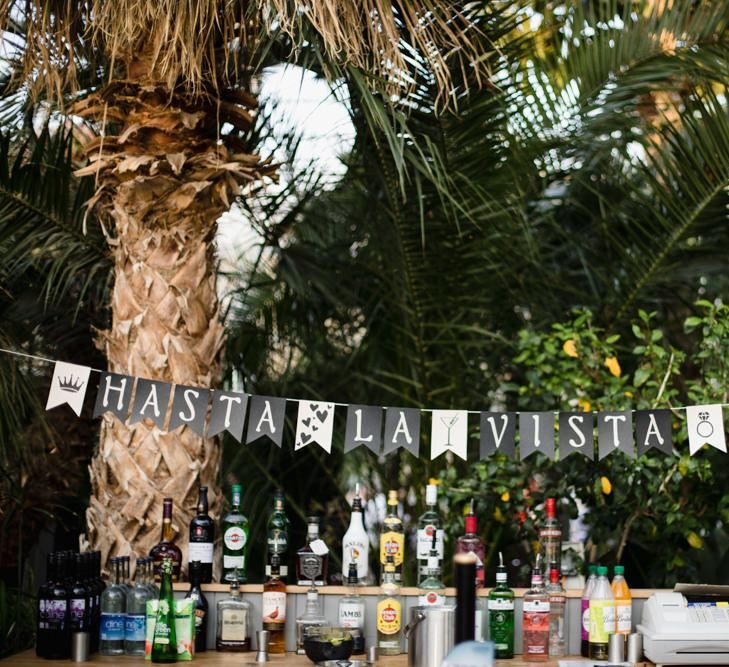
[46, 360]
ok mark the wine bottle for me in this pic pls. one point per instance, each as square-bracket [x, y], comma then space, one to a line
[202, 538]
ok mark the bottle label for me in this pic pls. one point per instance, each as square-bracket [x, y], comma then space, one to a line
[161, 633]
[351, 614]
[231, 562]
[112, 627]
[431, 599]
[536, 606]
[425, 541]
[501, 604]
[134, 626]
[389, 616]
[602, 620]
[278, 541]
[355, 551]
[77, 609]
[585, 619]
[234, 626]
[202, 551]
[392, 544]
[536, 628]
[274, 607]
[624, 616]
[557, 598]
[235, 538]
[310, 566]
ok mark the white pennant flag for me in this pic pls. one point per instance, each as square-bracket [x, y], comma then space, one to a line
[314, 424]
[68, 385]
[449, 433]
[705, 424]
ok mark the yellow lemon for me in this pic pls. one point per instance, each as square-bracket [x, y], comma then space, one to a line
[584, 405]
[695, 540]
[613, 366]
[607, 487]
[570, 348]
[505, 496]
[498, 515]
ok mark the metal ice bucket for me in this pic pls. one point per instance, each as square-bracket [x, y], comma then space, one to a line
[429, 633]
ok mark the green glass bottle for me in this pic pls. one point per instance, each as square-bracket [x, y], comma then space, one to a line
[164, 639]
[235, 540]
[501, 615]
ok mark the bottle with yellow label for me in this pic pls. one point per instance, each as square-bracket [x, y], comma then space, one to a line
[392, 539]
[602, 616]
[389, 612]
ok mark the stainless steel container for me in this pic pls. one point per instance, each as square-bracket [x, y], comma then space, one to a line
[430, 634]
[616, 648]
[80, 646]
[635, 647]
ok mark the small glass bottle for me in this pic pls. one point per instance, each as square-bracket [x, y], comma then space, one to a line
[277, 540]
[501, 615]
[432, 589]
[470, 542]
[312, 617]
[235, 532]
[557, 631]
[535, 622]
[392, 538]
[352, 610]
[166, 548]
[389, 612]
[429, 524]
[113, 612]
[164, 635]
[312, 560]
[202, 537]
[273, 607]
[195, 593]
[136, 619]
[233, 622]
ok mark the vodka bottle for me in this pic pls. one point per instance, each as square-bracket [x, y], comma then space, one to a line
[136, 617]
[356, 542]
[557, 632]
[550, 538]
[429, 526]
[602, 616]
[113, 614]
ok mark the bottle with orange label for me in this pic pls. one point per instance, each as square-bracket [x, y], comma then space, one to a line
[392, 539]
[389, 612]
[623, 602]
[273, 608]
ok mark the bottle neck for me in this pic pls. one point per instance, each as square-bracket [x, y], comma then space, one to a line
[202, 502]
[312, 603]
[537, 580]
[167, 534]
[312, 533]
[235, 502]
[471, 524]
[356, 517]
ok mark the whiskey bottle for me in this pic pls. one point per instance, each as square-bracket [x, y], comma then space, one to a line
[201, 606]
[233, 622]
[278, 534]
[235, 540]
[273, 607]
[356, 542]
[202, 538]
[166, 548]
[392, 539]
[429, 524]
[312, 560]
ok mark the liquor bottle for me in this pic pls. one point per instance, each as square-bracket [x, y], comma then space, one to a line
[166, 548]
[392, 539]
[136, 618]
[202, 538]
[312, 560]
[356, 542]
[470, 542]
[623, 602]
[53, 638]
[195, 573]
[278, 534]
[99, 586]
[429, 524]
[149, 563]
[79, 606]
[352, 610]
[432, 590]
[273, 607]
[41, 639]
[164, 637]
[389, 611]
[550, 539]
[235, 540]
[602, 616]
[501, 615]
[586, 593]
[535, 623]
[312, 617]
[234, 615]
[113, 612]
[557, 631]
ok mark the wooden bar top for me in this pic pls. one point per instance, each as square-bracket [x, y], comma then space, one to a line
[216, 659]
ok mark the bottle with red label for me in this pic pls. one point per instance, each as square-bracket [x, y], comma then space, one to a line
[429, 526]
[470, 542]
[550, 539]
[432, 590]
[165, 548]
[557, 600]
[235, 532]
[535, 624]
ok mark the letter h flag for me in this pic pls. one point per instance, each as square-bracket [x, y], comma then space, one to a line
[115, 392]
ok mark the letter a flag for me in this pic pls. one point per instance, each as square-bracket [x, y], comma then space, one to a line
[314, 424]
[449, 433]
[68, 385]
[705, 425]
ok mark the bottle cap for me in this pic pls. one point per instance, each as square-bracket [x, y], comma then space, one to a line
[392, 497]
[431, 494]
[550, 507]
[553, 575]
[619, 569]
[352, 577]
[312, 595]
[602, 571]
[592, 568]
[471, 524]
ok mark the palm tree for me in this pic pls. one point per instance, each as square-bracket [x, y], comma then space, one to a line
[164, 89]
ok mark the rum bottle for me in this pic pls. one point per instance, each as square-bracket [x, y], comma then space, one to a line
[356, 542]
[501, 615]
[166, 548]
[470, 542]
[202, 538]
[535, 623]
[352, 611]
[312, 560]
[429, 525]
[274, 608]
[389, 612]
[235, 540]
[392, 539]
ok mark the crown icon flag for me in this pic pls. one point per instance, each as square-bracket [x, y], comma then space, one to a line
[68, 386]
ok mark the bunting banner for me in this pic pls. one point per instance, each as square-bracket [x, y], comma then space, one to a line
[210, 412]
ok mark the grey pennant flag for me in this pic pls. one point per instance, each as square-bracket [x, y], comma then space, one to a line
[189, 408]
[228, 413]
[266, 416]
[536, 434]
[575, 434]
[150, 402]
[653, 431]
[497, 434]
[402, 429]
[114, 395]
[364, 427]
[615, 433]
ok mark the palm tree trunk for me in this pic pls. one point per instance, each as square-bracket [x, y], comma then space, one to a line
[164, 178]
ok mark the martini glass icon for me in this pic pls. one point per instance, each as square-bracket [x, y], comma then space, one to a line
[449, 423]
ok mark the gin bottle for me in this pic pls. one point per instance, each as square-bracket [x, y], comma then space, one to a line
[501, 614]
[312, 617]
[113, 614]
[164, 637]
[134, 629]
[470, 542]
[429, 526]
[235, 540]
[535, 622]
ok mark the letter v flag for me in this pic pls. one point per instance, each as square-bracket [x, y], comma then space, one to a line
[315, 423]
[68, 385]
[497, 434]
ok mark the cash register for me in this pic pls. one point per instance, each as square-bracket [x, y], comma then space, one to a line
[689, 626]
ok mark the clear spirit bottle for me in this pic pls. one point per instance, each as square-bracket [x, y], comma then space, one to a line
[352, 610]
[278, 534]
[501, 615]
[392, 539]
[550, 538]
[312, 617]
[113, 612]
[535, 624]
[166, 547]
[389, 612]
[273, 607]
[432, 590]
[312, 560]
[136, 618]
[557, 597]
[235, 532]
[470, 542]
[202, 538]
[429, 524]
[233, 622]
[201, 606]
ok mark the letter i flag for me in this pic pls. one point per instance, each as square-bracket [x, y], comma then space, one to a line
[68, 385]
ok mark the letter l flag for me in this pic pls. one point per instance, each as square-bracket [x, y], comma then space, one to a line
[68, 385]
